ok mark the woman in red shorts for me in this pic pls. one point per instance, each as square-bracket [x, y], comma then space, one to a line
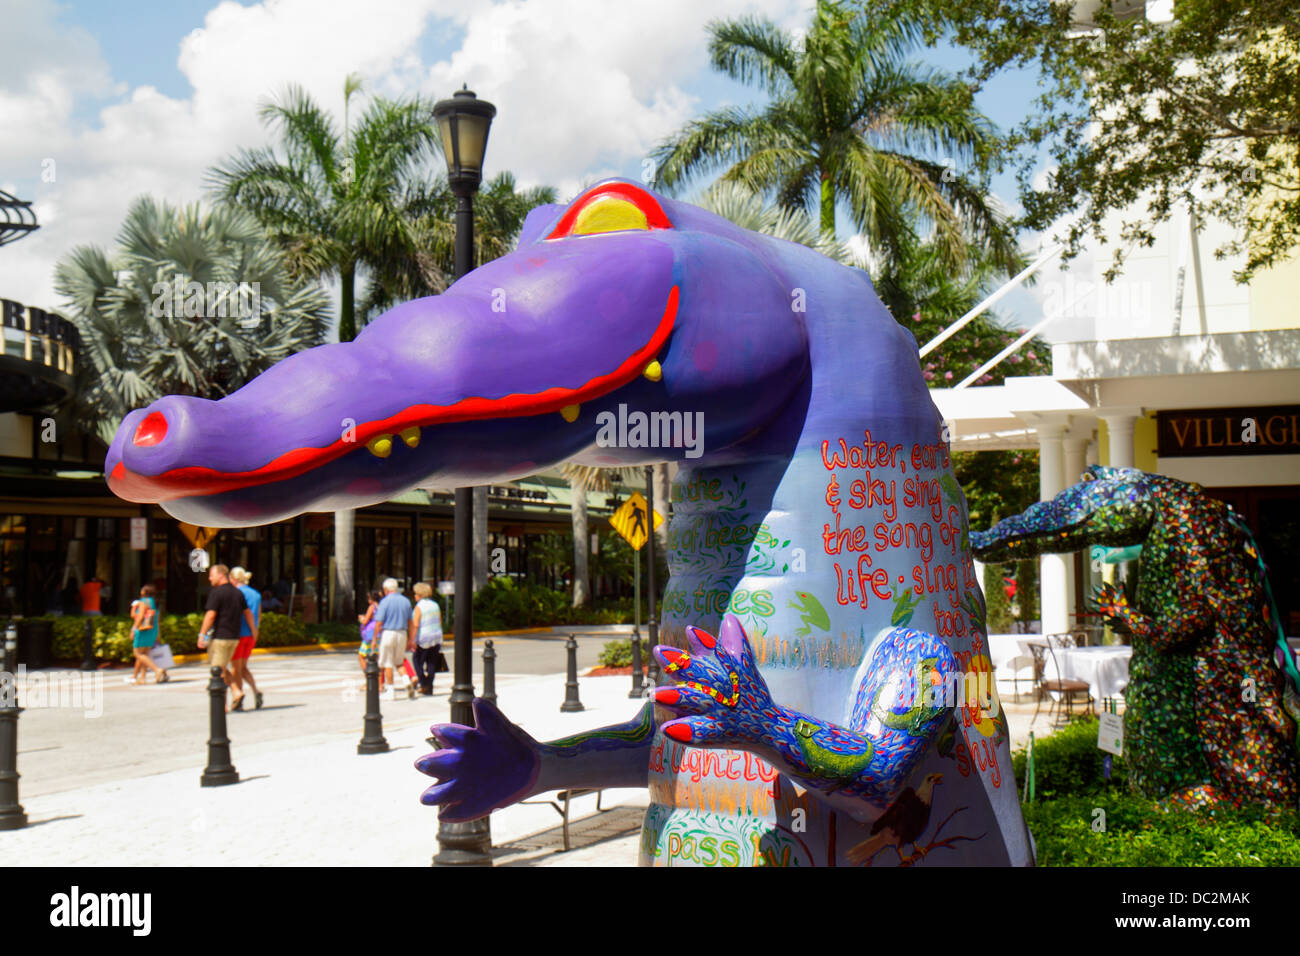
[247, 641]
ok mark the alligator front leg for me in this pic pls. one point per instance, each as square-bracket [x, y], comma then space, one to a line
[902, 703]
[1171, 628]
[496, 763]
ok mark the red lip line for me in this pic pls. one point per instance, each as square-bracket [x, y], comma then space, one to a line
[197, 480]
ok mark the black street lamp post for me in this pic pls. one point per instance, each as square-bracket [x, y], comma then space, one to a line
[652, 625]
[464, 121]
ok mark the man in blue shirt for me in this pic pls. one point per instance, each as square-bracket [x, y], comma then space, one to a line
[393, 617]
[247, 641]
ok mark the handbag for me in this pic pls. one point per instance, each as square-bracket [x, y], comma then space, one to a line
[161, 655]
[441, 667]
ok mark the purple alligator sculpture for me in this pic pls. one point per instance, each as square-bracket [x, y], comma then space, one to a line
[814, 509]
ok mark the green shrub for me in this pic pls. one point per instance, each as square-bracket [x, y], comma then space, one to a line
[1027, 589]
[998, 617]
[616, 654]
[277, 630]
[112, 635]
[1139, 832]
[332, 632]
[1068, 762]
[505, 604]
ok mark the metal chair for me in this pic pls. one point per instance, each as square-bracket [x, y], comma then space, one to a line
[1062, 692]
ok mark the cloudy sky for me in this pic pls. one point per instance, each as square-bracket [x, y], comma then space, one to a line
[100, 103]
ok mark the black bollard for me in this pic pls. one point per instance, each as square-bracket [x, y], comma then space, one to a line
[88, 647]
[12, 816]
[571, 703]
[489, 671]
[372, 741]
[219, 771]
[638, 684]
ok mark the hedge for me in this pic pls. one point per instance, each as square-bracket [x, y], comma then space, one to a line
[1130, 829]
[505, 604]
[1140, 832]
[502, 605]
[1068, 762]
[618, 653]
[112, 635]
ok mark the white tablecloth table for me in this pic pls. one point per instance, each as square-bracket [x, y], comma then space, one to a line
[1104, 669]
[1004, 648]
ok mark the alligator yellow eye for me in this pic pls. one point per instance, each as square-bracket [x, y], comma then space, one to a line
[608, 214]
[611, 207]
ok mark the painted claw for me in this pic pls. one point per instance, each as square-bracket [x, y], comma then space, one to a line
[679, 732]
[701, 641]
[731, 635]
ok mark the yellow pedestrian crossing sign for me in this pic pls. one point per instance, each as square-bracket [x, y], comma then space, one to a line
[629, 520]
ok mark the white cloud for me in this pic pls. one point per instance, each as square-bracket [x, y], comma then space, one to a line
[583, 88]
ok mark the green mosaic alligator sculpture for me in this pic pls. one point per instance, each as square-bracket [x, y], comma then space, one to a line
[1211, 706]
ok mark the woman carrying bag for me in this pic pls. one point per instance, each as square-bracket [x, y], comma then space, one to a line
[144, 635]
[426, 622]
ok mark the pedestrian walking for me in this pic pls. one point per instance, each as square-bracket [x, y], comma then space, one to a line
[144, 635]
[247, 641]
[368, 627]
[426, 626]
[222, 613]
[394, 617]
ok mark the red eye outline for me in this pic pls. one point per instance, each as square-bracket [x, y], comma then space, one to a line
[654, 213]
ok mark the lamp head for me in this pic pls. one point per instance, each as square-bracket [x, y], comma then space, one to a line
[464, 122]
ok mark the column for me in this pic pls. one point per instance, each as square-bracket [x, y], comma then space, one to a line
[1053, 579]
[1119, 429]
[1075, 451]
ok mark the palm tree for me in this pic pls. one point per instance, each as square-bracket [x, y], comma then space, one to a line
[338, 203]
[192, 302]
[738, 203]
[850, 118]
[583, 479]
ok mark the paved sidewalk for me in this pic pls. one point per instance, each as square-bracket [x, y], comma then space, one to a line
[305, 797]
[315, 802]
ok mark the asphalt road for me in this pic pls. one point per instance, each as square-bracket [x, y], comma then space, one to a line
[101, 728]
